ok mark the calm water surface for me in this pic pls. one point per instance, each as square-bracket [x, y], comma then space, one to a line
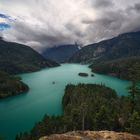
[18, 114]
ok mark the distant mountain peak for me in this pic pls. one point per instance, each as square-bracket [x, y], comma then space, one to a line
[61, 53]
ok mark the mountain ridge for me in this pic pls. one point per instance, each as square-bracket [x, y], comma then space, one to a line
[17, 58]
[124, 45]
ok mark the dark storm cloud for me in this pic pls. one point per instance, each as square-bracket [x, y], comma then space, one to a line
[103, 3]
[74, 30]
[44, 23]
[39, 37]
[112, 23]
[135, 7]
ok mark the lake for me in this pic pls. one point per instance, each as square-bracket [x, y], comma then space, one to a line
[19, 113]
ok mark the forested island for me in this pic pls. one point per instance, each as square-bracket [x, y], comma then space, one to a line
[11, 85]
[83, 74]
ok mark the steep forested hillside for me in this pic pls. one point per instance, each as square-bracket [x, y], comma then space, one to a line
[17, 58]
[125, 45]
[61, 53]
[119, 68]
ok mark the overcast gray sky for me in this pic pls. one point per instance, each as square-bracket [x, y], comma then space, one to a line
[45, 23]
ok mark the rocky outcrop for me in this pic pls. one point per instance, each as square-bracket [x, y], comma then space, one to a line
[92, 135]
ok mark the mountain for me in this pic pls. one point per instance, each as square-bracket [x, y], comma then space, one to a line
[122, 46]
[16, 58]
[118, 67]
[92, 135]
[60, 53]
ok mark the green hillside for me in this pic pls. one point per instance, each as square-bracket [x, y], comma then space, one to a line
[16, 58]
[119, 68]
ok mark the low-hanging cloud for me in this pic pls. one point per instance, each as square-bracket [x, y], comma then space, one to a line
[47, 23]
[103, 3]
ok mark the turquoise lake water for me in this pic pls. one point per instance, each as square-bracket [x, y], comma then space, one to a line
[19, 113]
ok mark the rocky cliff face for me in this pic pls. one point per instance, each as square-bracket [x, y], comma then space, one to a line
[92, 135]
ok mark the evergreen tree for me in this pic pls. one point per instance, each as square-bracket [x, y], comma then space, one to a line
[134, 123]
[133, 89]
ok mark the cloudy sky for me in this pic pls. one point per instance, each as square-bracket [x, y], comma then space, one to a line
[45, 23]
